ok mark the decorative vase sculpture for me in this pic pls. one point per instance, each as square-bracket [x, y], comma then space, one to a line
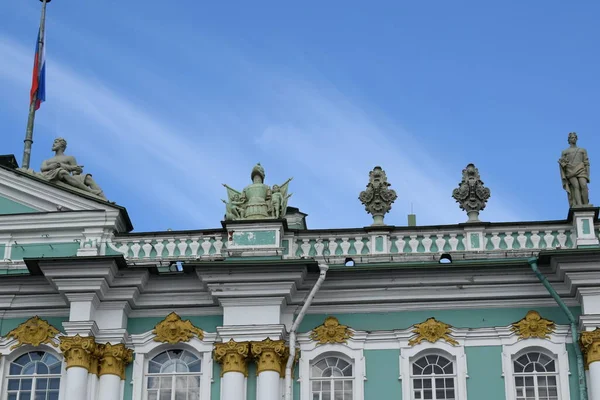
[471, 195]
[378, 198]
[575, 173]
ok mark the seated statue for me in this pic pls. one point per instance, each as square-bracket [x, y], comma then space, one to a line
[63, 168]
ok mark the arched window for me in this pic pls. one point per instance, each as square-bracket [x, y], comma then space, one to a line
[34, 375]
[536, 377]
[433, 377]
[332, 378]
[174, 375]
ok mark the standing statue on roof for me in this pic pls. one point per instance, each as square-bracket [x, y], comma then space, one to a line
[64, 169]
[575, 173]
[257, 200]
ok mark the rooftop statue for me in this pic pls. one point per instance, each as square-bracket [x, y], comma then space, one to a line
[257, 200]
[377, 197]
[471, 195]
[63, 168]
[575, 173]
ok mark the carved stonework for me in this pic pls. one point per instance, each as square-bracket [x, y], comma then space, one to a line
[232, 356]
[574, 166]
[174, 330]
[471, 195]
[377, 197]
[331, 332]
[79, 351]
[589, 342]
[113, 358]
[533, 326]
[270, 355]
[34, 331]
[432, 331]
[257, 200]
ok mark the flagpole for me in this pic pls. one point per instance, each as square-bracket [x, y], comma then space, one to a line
[29, 132]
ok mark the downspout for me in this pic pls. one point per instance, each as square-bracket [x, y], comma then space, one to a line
[290, 362]
[574, 331]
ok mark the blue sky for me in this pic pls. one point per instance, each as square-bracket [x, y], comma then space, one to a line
[163, 102]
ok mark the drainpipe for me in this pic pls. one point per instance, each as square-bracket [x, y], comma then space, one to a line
[574, 332]
[290, 362]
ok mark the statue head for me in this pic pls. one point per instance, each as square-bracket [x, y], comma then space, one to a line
[258, 170]
[275, 189]
[58, 144]
[572, 138]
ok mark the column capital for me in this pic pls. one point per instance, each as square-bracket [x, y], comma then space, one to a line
[79, 351]
[269, 355]
[233, 356]
[590, 346]
[113, 358]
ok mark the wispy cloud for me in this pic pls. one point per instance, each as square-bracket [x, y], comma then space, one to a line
[293, 125]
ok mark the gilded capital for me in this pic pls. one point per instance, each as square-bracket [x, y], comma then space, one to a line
[270, 355]
[533, 326]
[232, 356]
[34, 331]
[331, 332]
[432, 331]
[590, 346]
[174, 330]
[113, 359]
[78, 351]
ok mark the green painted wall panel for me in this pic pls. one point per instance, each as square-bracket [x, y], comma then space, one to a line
[128, 389]
[457, 318]
[251, 387]
[383, 371]
[215, 390]
[12, 207]
[573, 378]
[141, 325]
[44, 250]
[7, 325]
[485, 380]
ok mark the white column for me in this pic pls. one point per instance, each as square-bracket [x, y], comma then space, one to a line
[77, 379]
[112, 360]
[268, 386]
[594, 381]
[79, 352]
[109, 387]
[233, 357]
[233, 386]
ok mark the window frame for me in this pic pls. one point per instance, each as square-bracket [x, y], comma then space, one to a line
[352, 352]
[339, 356]
[145, 349]
[557, 351]
[9, 357]
[456, 355]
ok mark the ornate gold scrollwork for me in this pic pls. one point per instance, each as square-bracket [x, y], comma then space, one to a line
[331, 332]
[174, 330]
[232, 356]
[113, 359]
[533, 326]
[590, 346]
[79, 351]
[432, 331]
[34, 331]
[270, 355]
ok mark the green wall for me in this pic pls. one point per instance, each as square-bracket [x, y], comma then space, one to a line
[44, 250]
[12, 207]
[573, 377]
[484, 365]
[383, 371]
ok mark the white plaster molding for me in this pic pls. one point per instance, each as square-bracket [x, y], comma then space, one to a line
[552, 347]
[81, 328]
[244, 333]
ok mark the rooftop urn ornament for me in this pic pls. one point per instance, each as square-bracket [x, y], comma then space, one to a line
[378, 197]
[471, 195]
[257, 200]
[575, 173]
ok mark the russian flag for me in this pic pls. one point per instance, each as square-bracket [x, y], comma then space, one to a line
[38, 84]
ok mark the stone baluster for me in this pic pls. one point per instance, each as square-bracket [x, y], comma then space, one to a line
[590, 343]
[112, 360]
[233, 357]
[79, 352]
[270, 357]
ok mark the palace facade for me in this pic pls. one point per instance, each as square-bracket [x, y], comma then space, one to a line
[482, 311]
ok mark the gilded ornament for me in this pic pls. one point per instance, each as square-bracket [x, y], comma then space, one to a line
[331, 332]
[589, 342]
[79, 351]
[232, 356]
[533, 326]
[113, 359]
[34, 331]
[174, 330]
[270, 355]
[432, 331]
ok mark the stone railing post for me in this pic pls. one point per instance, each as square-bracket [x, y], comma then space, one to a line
[233, 357]
[270, 359]
[113, 358]
[79, 352]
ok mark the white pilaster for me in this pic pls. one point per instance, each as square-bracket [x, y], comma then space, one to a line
[594, 381]
[233, 386]
[77, 383]
[109, 387]
[268, 386]
[583, 224]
